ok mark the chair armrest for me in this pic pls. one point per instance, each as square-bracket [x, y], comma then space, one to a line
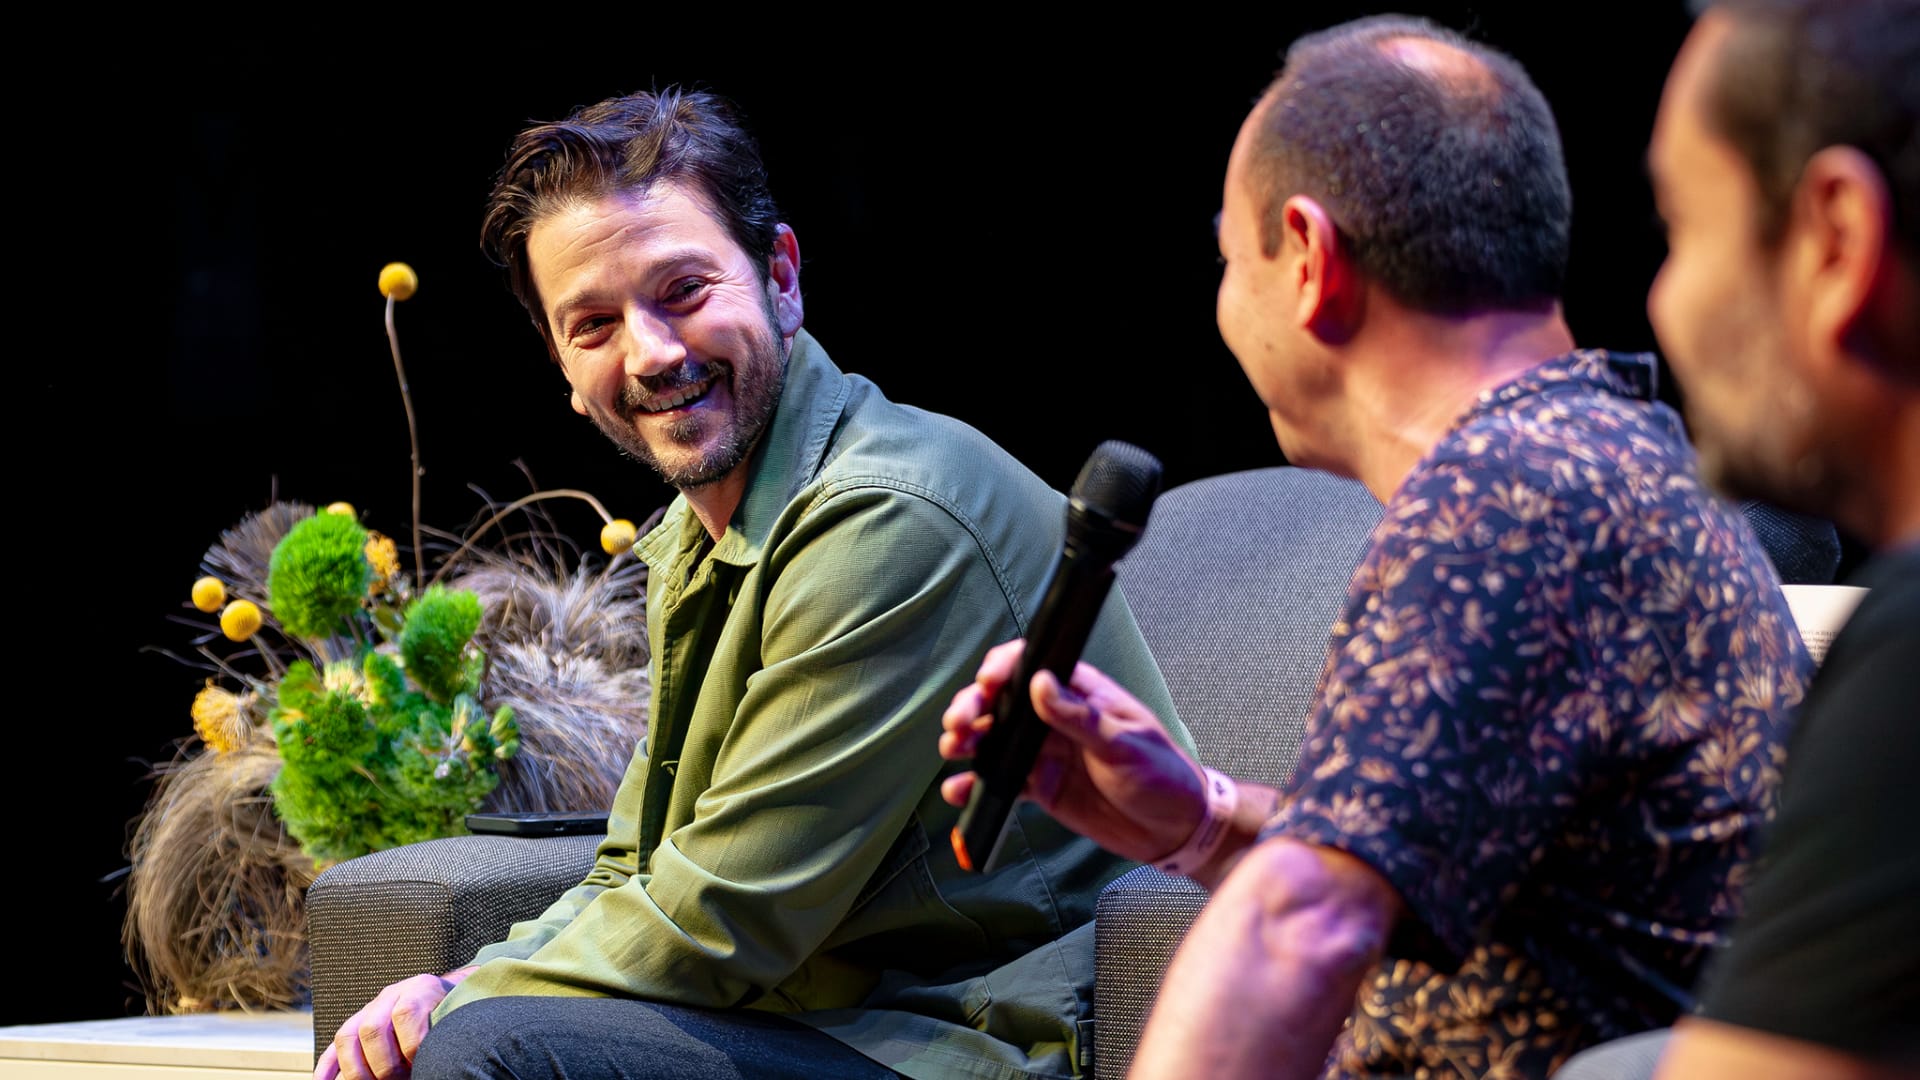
[1138, 922]
[425, 907]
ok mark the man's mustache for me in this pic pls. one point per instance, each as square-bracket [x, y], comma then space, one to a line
[646, 392]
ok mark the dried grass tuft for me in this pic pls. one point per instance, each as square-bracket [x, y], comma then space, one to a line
[242, 553]
[569, 652]
[216, 896]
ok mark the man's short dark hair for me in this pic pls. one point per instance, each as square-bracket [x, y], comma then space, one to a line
[1797, 76]
[625, 145]
[1446, 184]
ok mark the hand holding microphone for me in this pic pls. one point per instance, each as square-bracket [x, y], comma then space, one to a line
[1106, 513]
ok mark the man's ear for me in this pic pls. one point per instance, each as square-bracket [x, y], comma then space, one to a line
[1327, 288]
[783, 278]
[1842, 256]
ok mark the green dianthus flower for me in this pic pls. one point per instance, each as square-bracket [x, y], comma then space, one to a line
[434, 641]
[318, 575]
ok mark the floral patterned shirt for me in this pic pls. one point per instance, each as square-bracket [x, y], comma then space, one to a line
[1553, 717]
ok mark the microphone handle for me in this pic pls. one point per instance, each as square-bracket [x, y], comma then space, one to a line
[1007, 751]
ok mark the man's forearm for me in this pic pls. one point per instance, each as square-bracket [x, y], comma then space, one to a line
[1268, 974]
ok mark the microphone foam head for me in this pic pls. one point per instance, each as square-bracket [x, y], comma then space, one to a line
[1118, 483]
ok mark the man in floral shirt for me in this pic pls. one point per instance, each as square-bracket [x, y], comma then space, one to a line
[1553, 709]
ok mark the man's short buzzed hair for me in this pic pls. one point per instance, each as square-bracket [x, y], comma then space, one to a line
[1445, 181]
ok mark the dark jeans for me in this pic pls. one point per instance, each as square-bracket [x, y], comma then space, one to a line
[567, 1038]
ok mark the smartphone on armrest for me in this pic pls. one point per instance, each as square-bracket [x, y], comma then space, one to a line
[538, 822]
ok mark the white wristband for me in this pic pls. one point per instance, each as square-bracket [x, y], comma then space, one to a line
[1223, 795]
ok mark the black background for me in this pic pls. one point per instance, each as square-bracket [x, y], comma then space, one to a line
[1005, 217]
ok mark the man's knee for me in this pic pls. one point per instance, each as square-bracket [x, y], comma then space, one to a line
[471, 1042]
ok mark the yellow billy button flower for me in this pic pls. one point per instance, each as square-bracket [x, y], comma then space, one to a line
[241, 620]
[617, 536]
[384, 556]
[209, 593]
[218, 719]
[343, 508]
[398, 280]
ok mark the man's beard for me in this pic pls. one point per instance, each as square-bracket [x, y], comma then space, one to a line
[754, 382]
[1784, 465]
[1770, 443]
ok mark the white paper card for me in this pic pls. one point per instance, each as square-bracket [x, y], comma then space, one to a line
[1820, 611]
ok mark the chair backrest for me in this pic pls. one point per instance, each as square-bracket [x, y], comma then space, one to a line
[1235, 583]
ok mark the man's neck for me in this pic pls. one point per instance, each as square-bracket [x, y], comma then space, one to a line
[1893, 514]
[715, 503]
[1415, 375]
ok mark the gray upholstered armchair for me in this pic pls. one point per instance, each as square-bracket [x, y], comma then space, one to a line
[1236, 583]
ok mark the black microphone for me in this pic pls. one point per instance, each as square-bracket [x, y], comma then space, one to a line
[1106, 513]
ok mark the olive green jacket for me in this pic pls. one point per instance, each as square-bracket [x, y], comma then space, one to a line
[780, 841]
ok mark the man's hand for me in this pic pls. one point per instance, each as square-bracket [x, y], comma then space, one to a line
[380, 1040]
[1107, 769]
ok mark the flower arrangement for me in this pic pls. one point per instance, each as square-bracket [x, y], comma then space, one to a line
[378, 747]
[354, 706]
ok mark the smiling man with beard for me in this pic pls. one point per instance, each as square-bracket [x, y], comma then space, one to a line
[1785, 160]
[774, 896]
